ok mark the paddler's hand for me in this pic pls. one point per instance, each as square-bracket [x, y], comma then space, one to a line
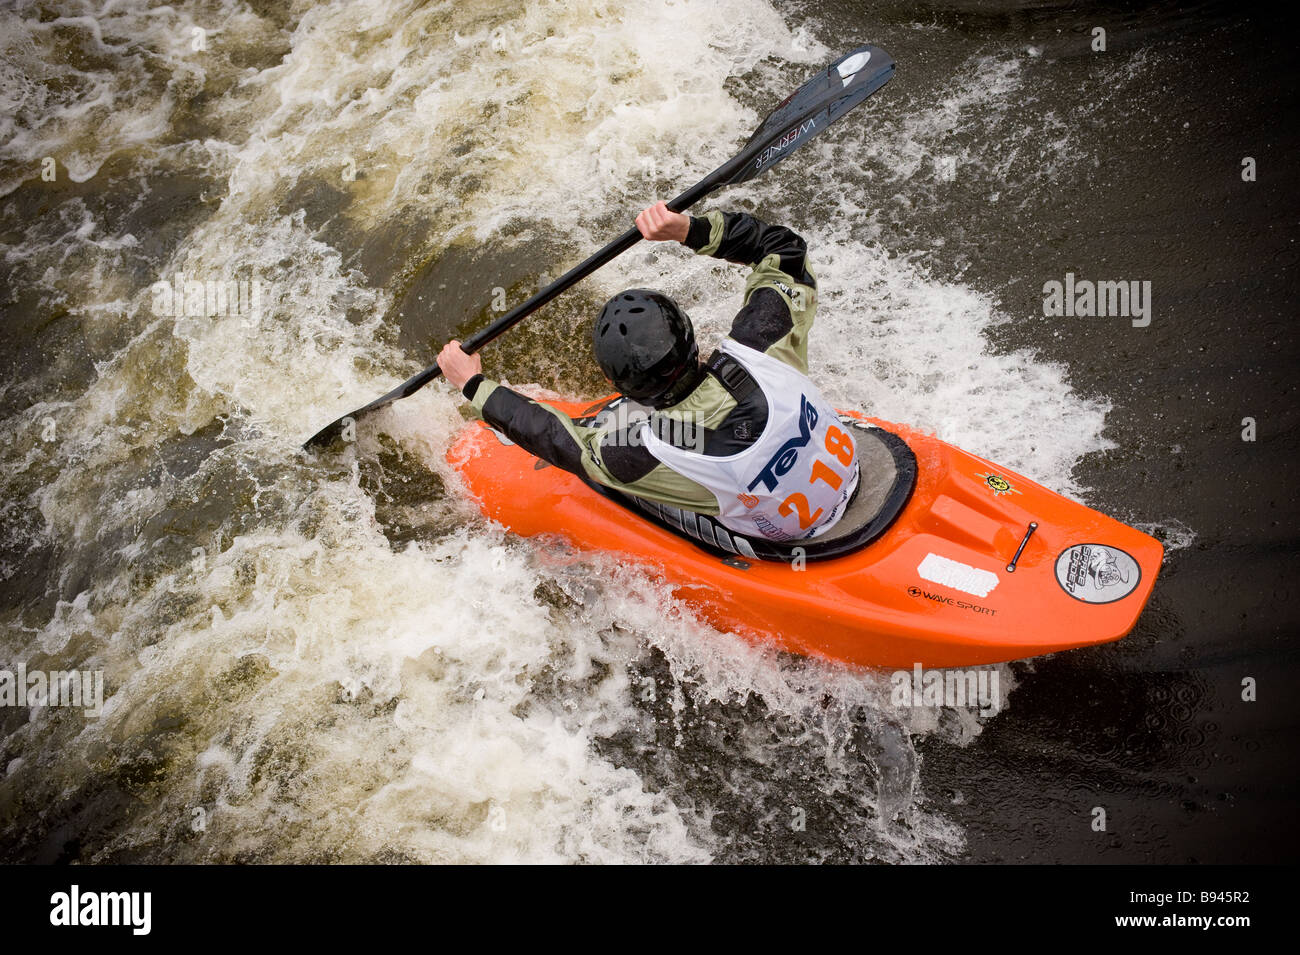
[658, 223]
[457, 367]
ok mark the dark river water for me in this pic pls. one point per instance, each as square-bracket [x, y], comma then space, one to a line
[334, 658]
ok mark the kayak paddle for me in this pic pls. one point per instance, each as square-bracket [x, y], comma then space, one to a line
[805, 113]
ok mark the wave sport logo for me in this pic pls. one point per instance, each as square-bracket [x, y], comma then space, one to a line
[950, 601]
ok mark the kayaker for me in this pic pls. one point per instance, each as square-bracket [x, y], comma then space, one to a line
[745, 437]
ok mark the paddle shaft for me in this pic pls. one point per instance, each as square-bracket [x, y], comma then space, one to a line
[814, 106]
[570, 278]
[576, 274]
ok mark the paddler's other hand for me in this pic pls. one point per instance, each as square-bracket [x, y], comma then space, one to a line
[658, 223]
[457, 367]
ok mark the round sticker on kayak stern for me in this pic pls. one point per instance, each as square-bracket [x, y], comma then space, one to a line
[1097, 573]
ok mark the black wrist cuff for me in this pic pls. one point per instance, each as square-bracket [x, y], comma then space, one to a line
[697, 236]
[471, 387]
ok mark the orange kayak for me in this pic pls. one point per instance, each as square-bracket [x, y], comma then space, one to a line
[944, 559]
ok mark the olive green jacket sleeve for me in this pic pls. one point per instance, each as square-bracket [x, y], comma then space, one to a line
[553, 436]
[780, 292]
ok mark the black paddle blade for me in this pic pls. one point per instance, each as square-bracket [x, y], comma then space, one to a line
[342, 427]
[330, 433]
[814, 106]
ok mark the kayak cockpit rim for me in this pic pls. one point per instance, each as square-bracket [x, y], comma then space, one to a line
[887, 478]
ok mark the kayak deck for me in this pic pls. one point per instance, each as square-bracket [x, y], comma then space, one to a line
[887, 477]
[957, 578]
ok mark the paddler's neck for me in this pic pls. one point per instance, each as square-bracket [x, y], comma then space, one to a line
[681, 389]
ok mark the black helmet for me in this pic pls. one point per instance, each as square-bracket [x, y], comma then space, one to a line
[645, 345]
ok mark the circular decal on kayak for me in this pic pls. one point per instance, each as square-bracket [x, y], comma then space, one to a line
[1097, 573]
[997, 484]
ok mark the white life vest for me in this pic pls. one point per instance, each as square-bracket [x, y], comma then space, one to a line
[793, 482]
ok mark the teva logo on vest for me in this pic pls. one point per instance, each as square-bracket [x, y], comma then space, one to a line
[785, 459]
[132, 909]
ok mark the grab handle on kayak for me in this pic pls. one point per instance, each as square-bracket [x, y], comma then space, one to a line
[1033, 526]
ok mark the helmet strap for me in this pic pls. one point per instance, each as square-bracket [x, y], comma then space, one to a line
[687, 382]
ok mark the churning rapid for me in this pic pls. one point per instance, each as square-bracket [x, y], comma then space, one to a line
[334, 658]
